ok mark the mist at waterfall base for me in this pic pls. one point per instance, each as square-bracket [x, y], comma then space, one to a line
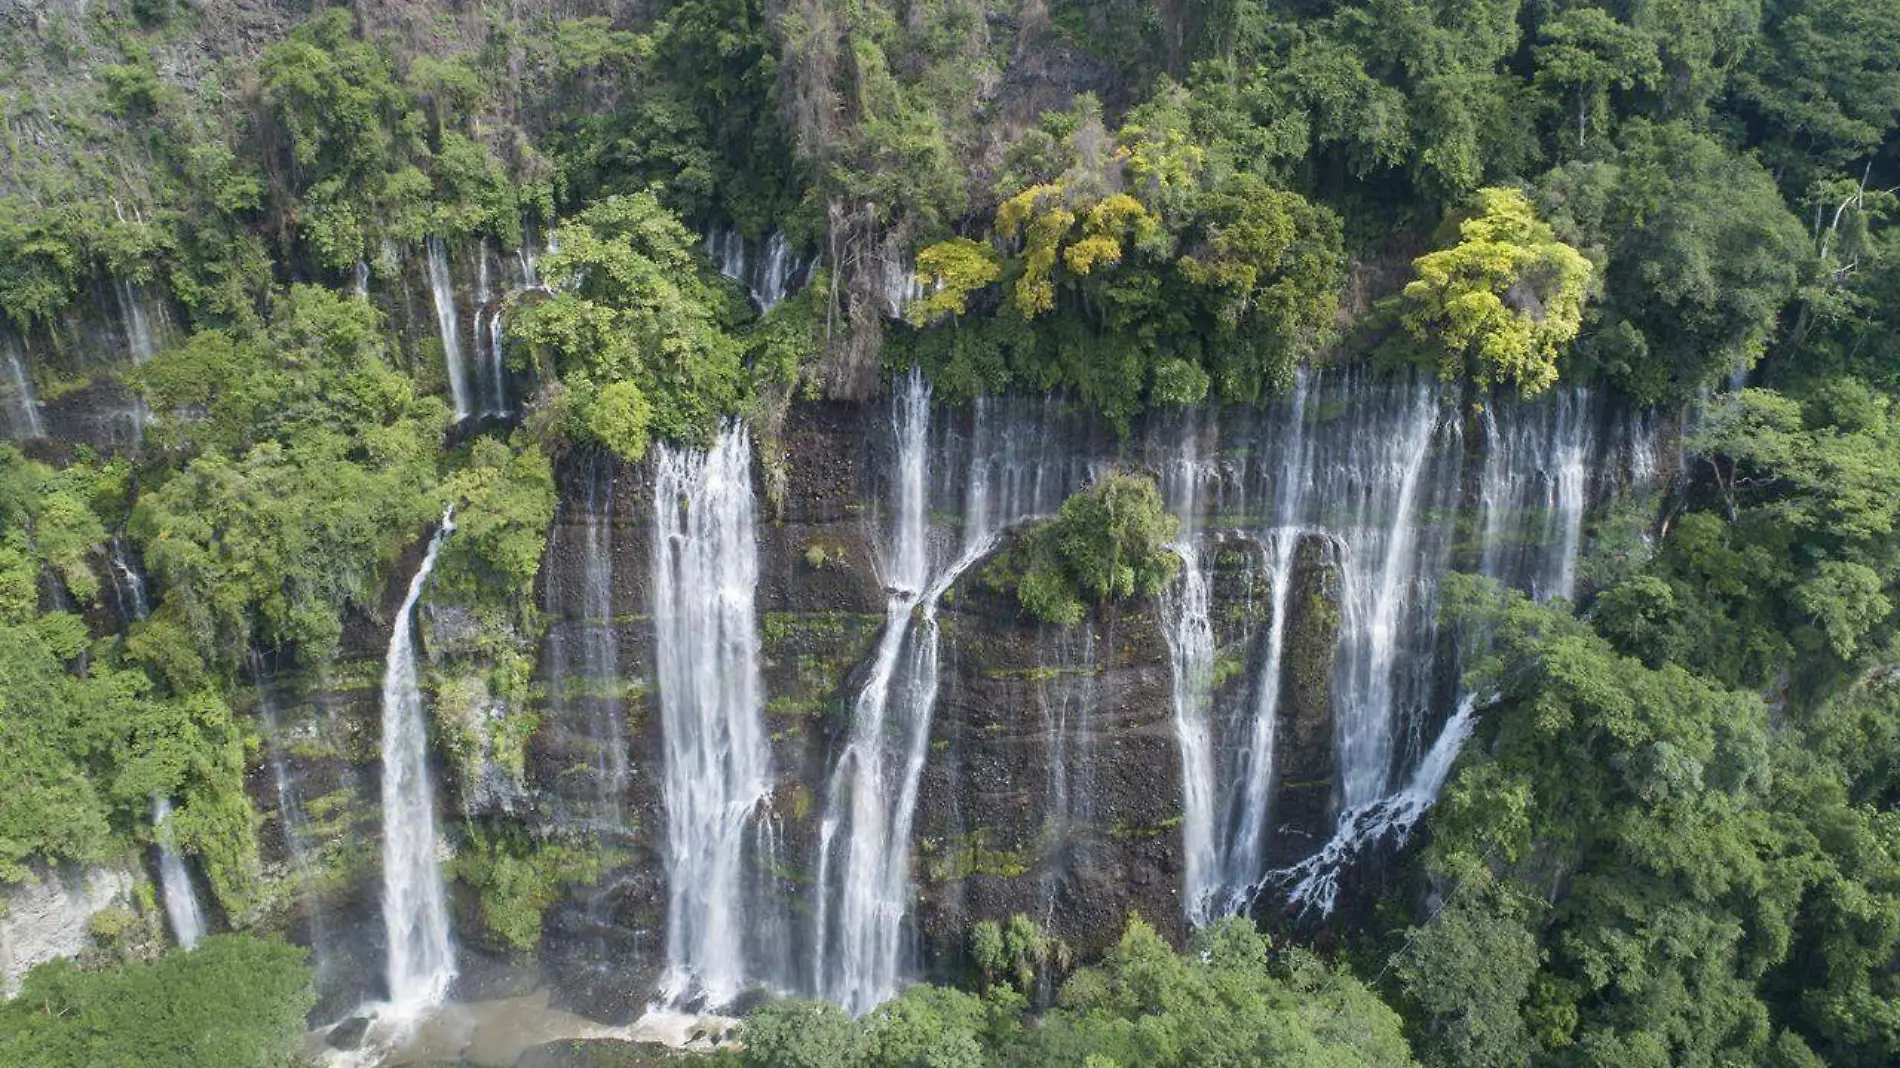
[1373, 478]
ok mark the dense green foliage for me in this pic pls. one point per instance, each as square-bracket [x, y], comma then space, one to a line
[1109, 542]
[1674, 841]
[1229, 1001]
[234, 1001]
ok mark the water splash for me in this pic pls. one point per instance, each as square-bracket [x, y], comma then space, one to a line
[181, 900]
[442, 290]
[718, 763]
[1312, 886]
[415, 901]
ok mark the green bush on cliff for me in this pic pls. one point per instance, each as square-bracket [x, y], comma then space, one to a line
[1107, 543]
[632, 330]
[516, 878]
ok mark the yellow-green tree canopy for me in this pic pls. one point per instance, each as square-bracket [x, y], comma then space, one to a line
[1502, 303]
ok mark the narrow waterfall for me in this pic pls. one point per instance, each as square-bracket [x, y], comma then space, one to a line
[25, 422]
[497, 366]
[1252, 777]
[128, 585]
[140, 341]
[718, 763]
[415, 901]
[442, 289]
[1313, 884]
[292, 819]
[775, 274]
[864, 872]
[1536, 488]
[359, 278]
[1189, 631]
[768, 279]
[181, 900]
[856, 950]
[487, 390]
[584, 681]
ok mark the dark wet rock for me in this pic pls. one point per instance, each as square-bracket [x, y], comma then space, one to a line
[349, 1034]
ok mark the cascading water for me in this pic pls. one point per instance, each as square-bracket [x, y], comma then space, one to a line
[25, 403]
[359, 278]
[857, 949]
[769, 279]
[864, 838]
[1313, 884]
[442, 290]
[1189, 631]
[1535, 490]
[1380, 562]
[718, 769]
[140, 341]
[415, 901]
[775, 274]
[128, 585]
[293, 820]
[584, 678]
[181, 900]
[1252, 776]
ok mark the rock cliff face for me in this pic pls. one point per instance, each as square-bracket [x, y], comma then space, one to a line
[50, 916]
[1053, 780]
[1052, 784]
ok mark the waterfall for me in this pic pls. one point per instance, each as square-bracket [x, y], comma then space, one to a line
[1535, 491]
[768, 280]
[1313, 884]
[442, 288]
[775, 274]
[26, 404]
[1253, 773]
[415, 901]
[718, 774]
[359, 277]
[1380, 561]
[871, 800]
[181, 900]
[128, 585]
[1189, 631]
[584, 650]
[291, 816]
[140, 341]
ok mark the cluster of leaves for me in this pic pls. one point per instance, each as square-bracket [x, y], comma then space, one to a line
[90, 740]
[1229, 1000]
[1108, 542]
[235, 1000]
[632, 331]
[1647, 873]
[515, 879]
[1504, 303]
[1129, 269]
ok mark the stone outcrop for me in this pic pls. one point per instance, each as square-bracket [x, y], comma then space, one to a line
[50, 916]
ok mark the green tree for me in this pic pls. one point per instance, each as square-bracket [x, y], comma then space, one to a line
[234, 1001]
[1502, 303]
[632, 330]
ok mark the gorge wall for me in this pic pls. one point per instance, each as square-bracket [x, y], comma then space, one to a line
[932, 754]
